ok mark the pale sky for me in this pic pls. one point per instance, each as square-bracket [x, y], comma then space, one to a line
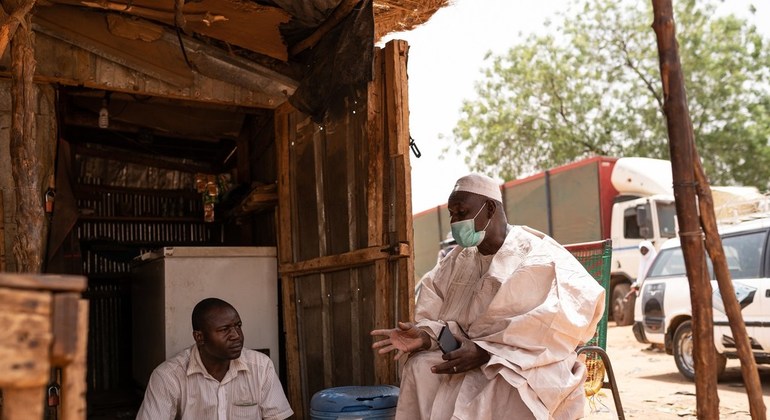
[445, 60]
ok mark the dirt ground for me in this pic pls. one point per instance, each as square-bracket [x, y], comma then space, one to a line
[651, 387]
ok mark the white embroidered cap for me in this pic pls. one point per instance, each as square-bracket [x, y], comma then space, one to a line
[481, 185]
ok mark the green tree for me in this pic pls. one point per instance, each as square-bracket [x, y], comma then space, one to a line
[594, 88]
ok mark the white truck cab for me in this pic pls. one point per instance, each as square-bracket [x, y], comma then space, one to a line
[652, 218]
[643, 210]
[663, 312]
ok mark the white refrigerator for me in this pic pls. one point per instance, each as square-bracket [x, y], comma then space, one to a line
[167, 283]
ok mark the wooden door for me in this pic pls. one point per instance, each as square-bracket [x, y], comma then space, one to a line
[345, 231]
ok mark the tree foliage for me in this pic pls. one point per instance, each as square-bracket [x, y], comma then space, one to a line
[594, 88]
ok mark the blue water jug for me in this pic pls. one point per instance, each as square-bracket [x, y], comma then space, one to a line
[377, 402]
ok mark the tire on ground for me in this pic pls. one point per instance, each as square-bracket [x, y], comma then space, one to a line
[622, 312]
[683, 347]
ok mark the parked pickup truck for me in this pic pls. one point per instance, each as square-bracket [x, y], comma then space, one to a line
[663, 312]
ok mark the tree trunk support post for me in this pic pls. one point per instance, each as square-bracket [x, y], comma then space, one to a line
[681, 147]
[11, 15]
[29, 213]
[690, 181]
[726, 289]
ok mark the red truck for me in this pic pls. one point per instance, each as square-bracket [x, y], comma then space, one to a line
[625, 199]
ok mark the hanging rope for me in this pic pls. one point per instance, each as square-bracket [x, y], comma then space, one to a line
[179, 24]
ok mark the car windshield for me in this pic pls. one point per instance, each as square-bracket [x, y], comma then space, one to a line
[668, 262]
[743, 253]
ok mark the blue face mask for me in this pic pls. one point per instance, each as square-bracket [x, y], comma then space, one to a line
[465, 233]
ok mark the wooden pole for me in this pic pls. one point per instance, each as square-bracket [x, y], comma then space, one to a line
[397, 114]
[10, 18]
[25, 166]
[2, 233]
[681, 146]
[731, 305]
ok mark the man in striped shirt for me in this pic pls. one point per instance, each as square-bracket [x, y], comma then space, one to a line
[216, 378]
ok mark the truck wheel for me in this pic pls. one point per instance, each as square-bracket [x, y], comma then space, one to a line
[683, 347]
[622, 312]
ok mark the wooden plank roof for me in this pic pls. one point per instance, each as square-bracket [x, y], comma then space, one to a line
[270, 28]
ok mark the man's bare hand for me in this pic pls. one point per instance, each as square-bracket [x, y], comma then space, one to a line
[404, 339]
[633, 292]
[469, 356]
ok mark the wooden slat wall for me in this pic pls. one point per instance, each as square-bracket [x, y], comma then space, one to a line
[397, 109]
[284, 136]
[328, 333]
[345, 232]
[379, 203]
[375, 130]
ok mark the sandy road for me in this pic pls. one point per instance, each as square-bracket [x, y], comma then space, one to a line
[652, 388]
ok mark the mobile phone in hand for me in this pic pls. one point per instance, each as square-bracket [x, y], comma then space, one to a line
[446, 341]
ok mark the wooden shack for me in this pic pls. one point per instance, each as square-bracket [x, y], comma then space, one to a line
[131, 125]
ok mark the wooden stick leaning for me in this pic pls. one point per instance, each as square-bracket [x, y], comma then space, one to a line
[681, 146]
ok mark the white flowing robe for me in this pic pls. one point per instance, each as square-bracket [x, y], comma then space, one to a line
[529, 305]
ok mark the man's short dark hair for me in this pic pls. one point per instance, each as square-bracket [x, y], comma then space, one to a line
[203, 308]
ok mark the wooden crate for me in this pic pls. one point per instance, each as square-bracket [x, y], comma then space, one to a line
[45, 324]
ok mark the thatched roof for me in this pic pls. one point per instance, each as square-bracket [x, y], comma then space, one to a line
[403, 15]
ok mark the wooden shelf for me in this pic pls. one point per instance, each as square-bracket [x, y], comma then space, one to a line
[260, 198]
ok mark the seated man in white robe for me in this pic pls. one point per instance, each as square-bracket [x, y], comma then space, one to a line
[519, 305]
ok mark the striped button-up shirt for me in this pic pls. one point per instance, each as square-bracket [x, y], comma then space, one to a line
[181, 388]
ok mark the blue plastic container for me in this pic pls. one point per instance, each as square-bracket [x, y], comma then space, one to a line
[376, 402]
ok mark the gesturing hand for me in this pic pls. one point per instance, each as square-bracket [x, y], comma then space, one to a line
[406, 338]
[468, 356]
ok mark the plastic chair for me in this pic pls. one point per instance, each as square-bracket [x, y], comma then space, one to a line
[596, 258]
